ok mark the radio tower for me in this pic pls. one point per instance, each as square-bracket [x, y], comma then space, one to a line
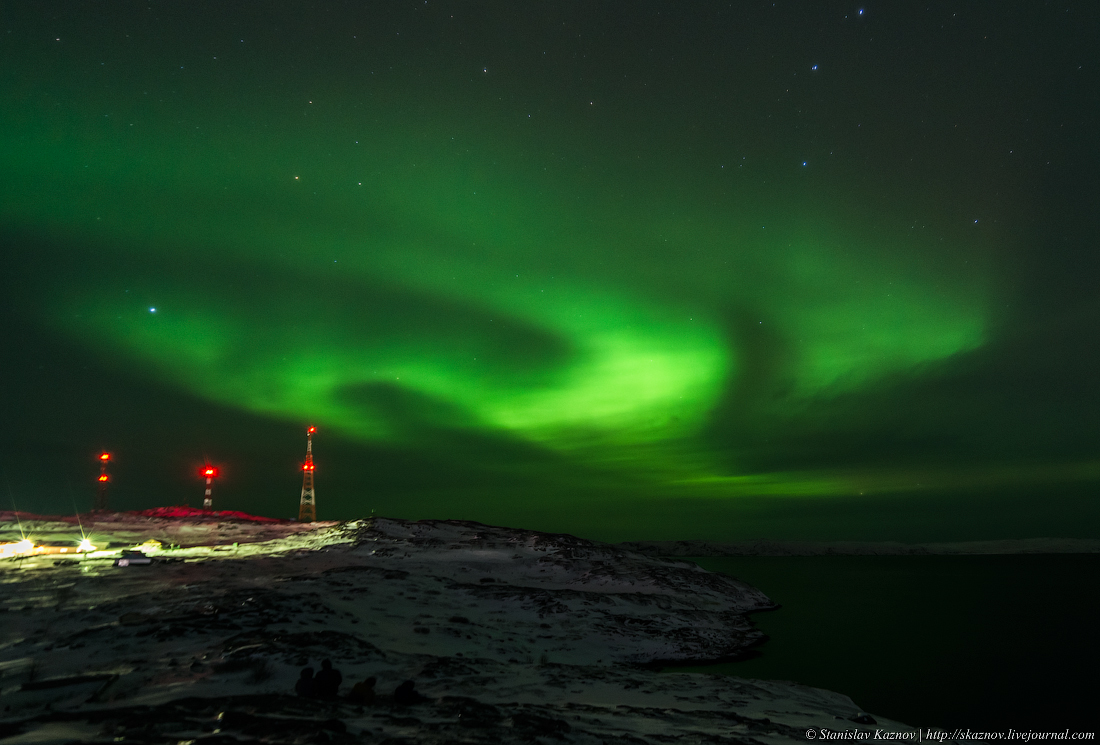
[307, 508]
[211, 473]
[104, 479]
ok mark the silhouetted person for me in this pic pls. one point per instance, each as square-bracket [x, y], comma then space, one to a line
[307, 684]
[363, 691]
[406, 694]
[327, 682]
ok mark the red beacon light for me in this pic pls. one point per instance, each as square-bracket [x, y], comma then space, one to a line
[211, 473]
[307, 467]
[103, 479]
[311, 430]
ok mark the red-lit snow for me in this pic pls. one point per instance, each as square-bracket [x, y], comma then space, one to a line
[209, 514]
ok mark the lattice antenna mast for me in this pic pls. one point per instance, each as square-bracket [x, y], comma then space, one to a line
[307, 508]
[210, 473]
[104, 480]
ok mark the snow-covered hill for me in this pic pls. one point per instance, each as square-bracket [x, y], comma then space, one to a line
[508, 635]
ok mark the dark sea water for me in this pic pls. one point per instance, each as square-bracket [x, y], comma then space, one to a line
[984, 642]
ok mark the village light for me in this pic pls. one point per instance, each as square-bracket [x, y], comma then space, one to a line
[21, 548]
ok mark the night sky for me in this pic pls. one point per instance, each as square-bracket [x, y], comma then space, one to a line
[807, 270]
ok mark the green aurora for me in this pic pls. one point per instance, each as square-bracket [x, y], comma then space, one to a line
[493, 273]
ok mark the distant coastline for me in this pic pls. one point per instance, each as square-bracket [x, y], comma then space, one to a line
[861, 548]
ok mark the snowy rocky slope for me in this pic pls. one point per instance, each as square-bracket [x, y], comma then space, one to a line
[508, 635]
